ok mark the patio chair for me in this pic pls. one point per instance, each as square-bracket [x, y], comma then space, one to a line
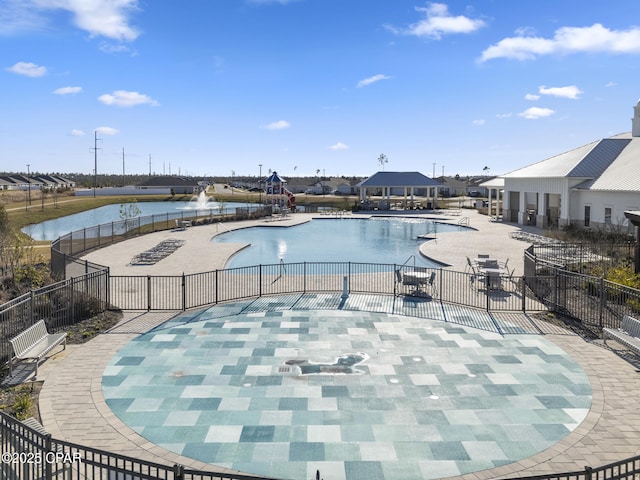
[432, 284]
[470, 266]
[491, 264]
[494, 281]
[401, 284]
[474, 274]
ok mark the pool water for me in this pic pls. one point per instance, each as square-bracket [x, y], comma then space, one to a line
[52, 229]
[374, 240]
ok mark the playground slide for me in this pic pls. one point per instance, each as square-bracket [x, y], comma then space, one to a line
[291, 200]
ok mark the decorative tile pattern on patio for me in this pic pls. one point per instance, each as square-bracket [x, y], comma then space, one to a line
[432, 399]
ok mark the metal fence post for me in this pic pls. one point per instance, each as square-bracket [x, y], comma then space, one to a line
[217, 283]
[588, 472]
[184, 292]
[603, 302]
[178, 472]
[486, 286]
[48, 465]
[148, 292]
[72, 304]
[395, 280]
[31, 306]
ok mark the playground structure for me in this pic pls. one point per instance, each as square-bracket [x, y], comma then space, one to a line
[277, 194]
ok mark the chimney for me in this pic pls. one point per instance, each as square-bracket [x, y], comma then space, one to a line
[635, 121]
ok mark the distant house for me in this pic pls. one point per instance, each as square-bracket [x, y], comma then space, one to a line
[8, 183]
[35, 182]
[174, 185]
[452, 187]
[588, 187]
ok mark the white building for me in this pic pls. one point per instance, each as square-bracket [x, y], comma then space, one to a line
[588, 187]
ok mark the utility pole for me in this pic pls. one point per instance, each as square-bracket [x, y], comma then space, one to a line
[259, 180]
[29, 187]
[149, 164]
[95, 161]
[123, 174]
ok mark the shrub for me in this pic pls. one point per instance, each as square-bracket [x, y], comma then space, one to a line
[22, 405]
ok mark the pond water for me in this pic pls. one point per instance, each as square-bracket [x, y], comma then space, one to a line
[375, 240]
[52, 229]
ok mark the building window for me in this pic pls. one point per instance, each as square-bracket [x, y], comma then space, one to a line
[607, 215]
[587, 215]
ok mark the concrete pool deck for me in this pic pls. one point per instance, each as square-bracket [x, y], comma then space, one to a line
[199, 254]
[73, 406]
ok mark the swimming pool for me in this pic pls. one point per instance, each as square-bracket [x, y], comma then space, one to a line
[374, 240]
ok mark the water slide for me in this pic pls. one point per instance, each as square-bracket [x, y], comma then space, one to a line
[291, 199]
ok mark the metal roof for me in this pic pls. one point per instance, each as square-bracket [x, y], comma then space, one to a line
[558, 166]
[497, 182]
[610, 164]
[399, 179]
[623, 174]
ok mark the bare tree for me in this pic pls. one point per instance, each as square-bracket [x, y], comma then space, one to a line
[382, 159]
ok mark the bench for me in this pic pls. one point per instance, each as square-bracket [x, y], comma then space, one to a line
[34, 343]
[628, 334]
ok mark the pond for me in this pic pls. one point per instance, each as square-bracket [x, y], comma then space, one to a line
[52, 229]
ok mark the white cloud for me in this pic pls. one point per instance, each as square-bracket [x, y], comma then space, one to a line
[480, 122]
[571, 92]
[77, 133]
[437, 22]
[373, 79]
[611, 84]
[107, 131]
[566, 40]
[122, 98]
[339, 146]
[279, 125]
[112, 48]
[106, 18]
[531, 96]
[504, 115]
[27, 69]
[67, 90]
[536, 112]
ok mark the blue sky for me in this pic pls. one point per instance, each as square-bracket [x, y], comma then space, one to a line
[218, 87]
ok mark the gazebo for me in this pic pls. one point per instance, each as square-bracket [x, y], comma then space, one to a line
[408, 185]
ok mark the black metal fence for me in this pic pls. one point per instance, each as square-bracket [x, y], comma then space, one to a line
[60, 304]
[582, 257]
[65, 248]
[594, 301]
[28, 454]
[182, 292]
[627, 469]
